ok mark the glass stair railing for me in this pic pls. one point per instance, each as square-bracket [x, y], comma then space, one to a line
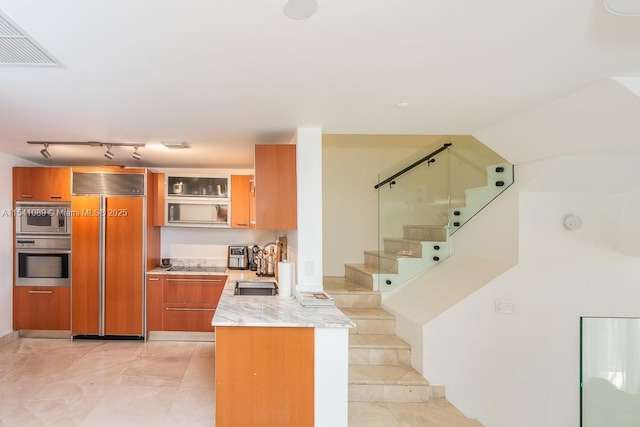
[425, 199]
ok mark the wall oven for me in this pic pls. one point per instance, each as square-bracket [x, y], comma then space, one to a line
[43, 261]
[42, 218]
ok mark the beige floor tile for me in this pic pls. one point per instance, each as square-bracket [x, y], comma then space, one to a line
[205, 349]
[155, 371]
[168, 349]
[364, 414]
[193, 407]
[200, 373]
[126, 405]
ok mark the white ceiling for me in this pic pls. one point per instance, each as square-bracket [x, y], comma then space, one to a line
[225, 74]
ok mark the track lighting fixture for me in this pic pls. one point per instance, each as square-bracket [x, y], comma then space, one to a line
[45, 153]
[108, 154]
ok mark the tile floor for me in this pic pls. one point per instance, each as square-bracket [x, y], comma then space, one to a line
[57, 382]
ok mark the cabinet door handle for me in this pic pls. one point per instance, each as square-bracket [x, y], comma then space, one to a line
[196, 280]
[153, 279]
[189, 309]
[40, 292]
[26, 196]
[55, 196]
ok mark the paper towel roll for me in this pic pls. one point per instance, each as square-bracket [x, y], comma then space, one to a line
[285, 279]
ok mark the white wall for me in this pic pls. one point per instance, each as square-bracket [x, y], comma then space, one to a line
[7, 242]
[350, 167]
[523, 368]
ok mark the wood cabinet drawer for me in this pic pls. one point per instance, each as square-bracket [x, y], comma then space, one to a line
[44, 308]
[188, 317]
[194, 289]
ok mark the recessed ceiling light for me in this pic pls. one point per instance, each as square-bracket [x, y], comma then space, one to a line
[403, 104]
[300, 9]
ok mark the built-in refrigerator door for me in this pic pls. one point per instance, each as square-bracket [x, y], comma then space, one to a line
[124, 266]
[85, 265]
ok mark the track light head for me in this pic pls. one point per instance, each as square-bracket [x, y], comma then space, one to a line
[135, 154]
[108, 154]
[45, 153]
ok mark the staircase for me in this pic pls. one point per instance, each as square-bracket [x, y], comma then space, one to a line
[380, 371]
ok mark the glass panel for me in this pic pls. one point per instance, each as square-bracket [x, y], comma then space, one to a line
[191, 186]
[453, 179]
[610, 372]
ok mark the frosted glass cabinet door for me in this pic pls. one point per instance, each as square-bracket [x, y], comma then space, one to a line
[610, 372]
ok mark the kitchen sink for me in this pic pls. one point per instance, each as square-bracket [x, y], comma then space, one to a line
[258, 287]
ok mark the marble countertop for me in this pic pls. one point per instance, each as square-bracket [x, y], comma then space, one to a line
[251, 310]
[161, 270]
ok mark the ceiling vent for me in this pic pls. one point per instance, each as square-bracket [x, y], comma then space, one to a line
[176, 145]
[18, 48]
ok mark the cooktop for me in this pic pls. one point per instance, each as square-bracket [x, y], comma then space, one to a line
[193, 268]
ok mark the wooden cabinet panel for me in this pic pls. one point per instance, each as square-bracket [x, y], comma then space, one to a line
[154, 302]
[85, 266]
[157, 190]
[193, 289]
[43, 308]
[276, 187]
[41, 184]
[188, 317]
[242, 201]
[268, 370]
[123, 266]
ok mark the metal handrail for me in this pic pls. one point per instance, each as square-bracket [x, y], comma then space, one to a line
[413, 165]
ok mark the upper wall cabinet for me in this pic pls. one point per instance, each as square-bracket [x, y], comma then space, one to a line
[42, 184]
[242, 202]
[197, 201]
[276, 187]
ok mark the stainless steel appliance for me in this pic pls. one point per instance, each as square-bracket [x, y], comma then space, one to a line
[43, 261]
[256, 287]
[109, 252]
[42, 218]
[238, 258]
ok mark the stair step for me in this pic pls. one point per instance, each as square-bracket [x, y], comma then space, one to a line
[384, 260]
[407, 247]
[371, 320]
[348, 294]
[387, 383]
[362, 274]
[372, 349]
[425, 233]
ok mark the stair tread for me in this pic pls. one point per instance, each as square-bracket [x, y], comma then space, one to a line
[381, 341]
[367, 313]
[426, 226]
[385, 374]
[368, 269]
[403, 240]
[342, 285]
[390, 255]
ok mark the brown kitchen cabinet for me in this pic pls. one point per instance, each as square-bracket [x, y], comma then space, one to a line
[242, 202]
[183, 303]
[41, 308]
[154, 302]
[267, 369]
[276, 187]
[42, 184]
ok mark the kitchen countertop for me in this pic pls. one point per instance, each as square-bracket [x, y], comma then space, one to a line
[162, 270]
[251, 310]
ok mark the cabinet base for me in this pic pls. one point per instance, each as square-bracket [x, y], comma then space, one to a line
[181, 336]
[43, 333]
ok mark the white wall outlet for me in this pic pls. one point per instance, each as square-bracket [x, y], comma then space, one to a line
[572, 222]
[505, 306]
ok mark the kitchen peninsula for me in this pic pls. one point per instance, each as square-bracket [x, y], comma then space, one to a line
[278, 363]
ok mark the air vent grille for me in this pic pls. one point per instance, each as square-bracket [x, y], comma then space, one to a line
[17, 48]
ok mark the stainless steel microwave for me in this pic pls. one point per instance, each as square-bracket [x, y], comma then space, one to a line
[43, 218]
